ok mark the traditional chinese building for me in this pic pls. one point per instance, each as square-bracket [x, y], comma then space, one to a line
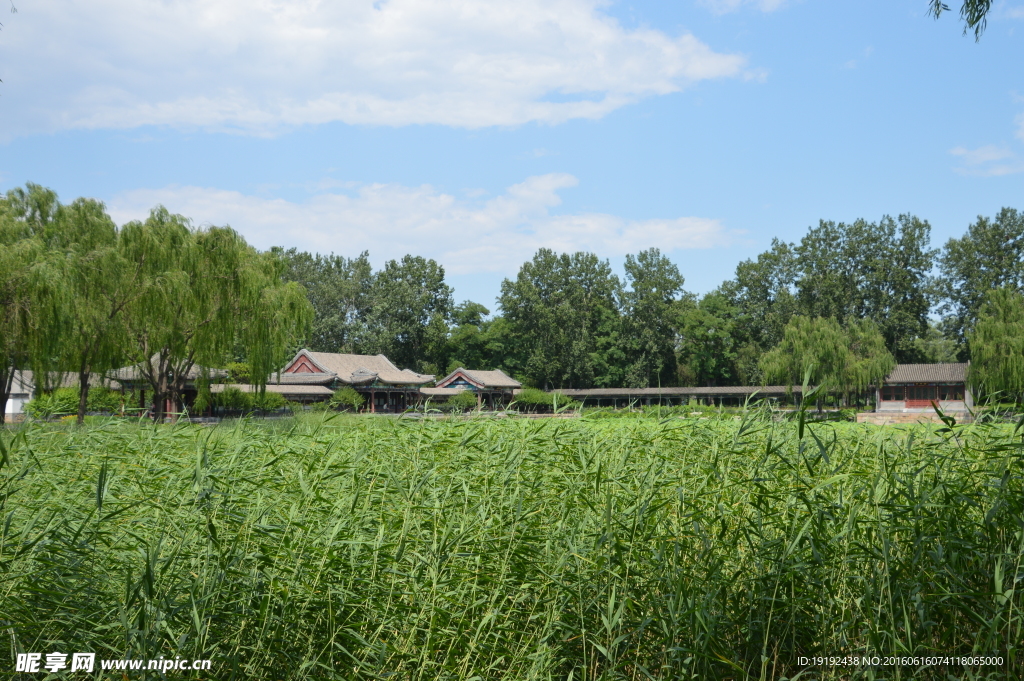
[492, 388]
[912, 388]
[385, 387]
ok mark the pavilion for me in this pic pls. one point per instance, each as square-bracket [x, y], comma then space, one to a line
[387, 388]
[492, 388]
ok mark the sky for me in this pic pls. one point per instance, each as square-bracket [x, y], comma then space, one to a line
[475, 132]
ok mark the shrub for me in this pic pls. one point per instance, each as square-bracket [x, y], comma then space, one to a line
[463, 401]
[346, 398]
[269, 401]
[233, 398]
[65, 401]
[238, 372]
[536, 401]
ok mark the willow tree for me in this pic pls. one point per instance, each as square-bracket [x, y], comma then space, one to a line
[204, 293]
[32, 295]
[820, 349]
[869, 361]
[997, 344]
[17, 253]
[101, 284]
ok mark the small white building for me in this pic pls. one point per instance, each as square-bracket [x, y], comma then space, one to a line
[21, 392]
[915, 388]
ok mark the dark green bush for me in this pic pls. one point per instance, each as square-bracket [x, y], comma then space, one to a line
[535, 400]
[64, 401]
[463, 401]
[269, 401]
[234, 399]
[346, 398]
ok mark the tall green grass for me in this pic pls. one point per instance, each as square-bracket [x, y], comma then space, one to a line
[363, 548]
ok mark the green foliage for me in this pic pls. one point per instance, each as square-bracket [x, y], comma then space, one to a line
[819, 349]
[347, 397]
[203, 294]
[340, 292]
[934, 347]
[463, 401]
[238, 372]
[411, 306]
[233, 399]
[973, 13]
[269, 401]
[555, 309]
[517, 549]
[536, 400]
[997, 345]
[648, 337]
[764, 293]
[708, 339]
[989, 256]
[64, 401]
[866, 270]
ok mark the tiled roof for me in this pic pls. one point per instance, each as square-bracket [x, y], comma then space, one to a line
[441, 392]
[928, 373]
[357, 369]
[286, 390]
[24, 381]
[132, 373]
[302, 379]
[485, 379]
[726, 390]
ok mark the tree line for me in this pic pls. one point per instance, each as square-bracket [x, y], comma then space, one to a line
[845, 303]
[841, 306]
[82, 296]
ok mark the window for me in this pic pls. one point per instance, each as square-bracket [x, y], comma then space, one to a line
[921, 392]
[892, 393]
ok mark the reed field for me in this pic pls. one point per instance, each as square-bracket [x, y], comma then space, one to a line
[570, 549]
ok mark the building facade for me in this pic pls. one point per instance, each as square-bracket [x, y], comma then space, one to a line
[386, 388]
[912, 388]
[493, 389]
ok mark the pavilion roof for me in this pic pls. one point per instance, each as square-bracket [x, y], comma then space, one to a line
[483, 379]
[928, 373]
[356, 369]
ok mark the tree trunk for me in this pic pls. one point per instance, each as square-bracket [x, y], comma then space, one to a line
[83, 393]
[160, 397]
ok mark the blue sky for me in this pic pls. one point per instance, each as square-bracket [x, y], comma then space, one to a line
[474, 132]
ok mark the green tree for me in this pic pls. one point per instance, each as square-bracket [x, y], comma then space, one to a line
[654, 289]
[204, 293]
[877, 271]
[33, 295]
[997, 344]
[410, 305]
[708, 343]
[989, 256]
[554, 308]
[840, 360]
[340, 291]
[17, 254]
[764, 291]
[101, 284]
[934, 347]
[467, 339]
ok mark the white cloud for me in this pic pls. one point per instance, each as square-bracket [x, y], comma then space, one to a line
[466, 236]
[987, 161]
[258, 66]
[1020, 126]
[727, 6]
